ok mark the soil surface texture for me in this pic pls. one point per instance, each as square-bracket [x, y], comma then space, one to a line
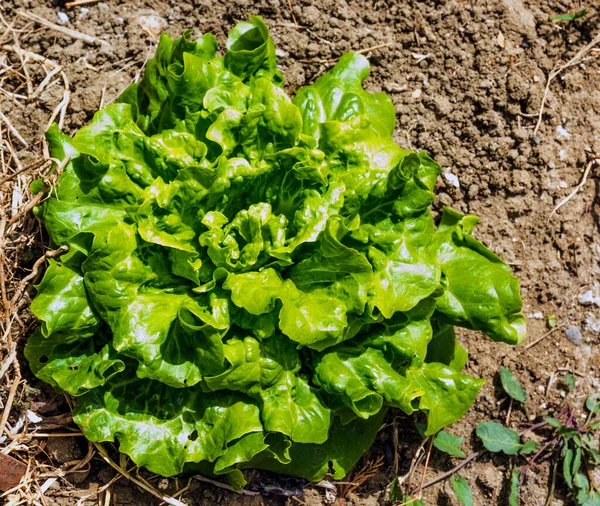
[467, 79]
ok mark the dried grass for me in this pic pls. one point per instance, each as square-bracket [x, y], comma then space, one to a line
[25, 77]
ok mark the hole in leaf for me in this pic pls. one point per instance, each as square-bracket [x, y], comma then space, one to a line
[193, 436]
[43, 359]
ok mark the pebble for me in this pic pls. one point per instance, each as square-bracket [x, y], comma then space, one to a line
[587, 299]
[62, 17]
[452, 179]
[574, 335]
[592, 324]
[33, 417]
[562, 132]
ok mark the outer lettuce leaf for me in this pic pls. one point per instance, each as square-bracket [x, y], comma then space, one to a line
[161, 427]
[480, 292]
[341, 451]
[251, 281]
[72, 366]
[62, 303]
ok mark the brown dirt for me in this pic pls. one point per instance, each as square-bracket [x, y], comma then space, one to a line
[471, 103]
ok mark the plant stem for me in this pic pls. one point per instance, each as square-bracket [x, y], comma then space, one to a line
[442, 477]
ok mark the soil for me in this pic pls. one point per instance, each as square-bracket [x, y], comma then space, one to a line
[467, 80]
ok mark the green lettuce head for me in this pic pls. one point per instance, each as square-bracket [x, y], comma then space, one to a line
[251, 280]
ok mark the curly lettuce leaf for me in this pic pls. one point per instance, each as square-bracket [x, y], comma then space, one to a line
[62, 304]
[480, 292]
[251, 281]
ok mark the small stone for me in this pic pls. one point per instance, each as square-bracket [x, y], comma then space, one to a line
[500, 40]
[591, 324]
[562, 132]
[152, 24]
[416, 93]
[574, 335]
[33, 417]
[538, 315]
[587, 299]
[452, 179]
[62, 17]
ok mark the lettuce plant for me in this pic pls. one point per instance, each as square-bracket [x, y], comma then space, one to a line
[251, 280]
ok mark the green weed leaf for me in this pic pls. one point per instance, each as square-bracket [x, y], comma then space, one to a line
[512, 386]
[497, 438]
[513, 498]
[462, 490]
[449, 443]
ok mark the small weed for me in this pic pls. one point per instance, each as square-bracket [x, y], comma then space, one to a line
[571, 16]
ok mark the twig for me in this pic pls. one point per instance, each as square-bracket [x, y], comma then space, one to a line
[532, 460]
[552, 483]
[455, 469]
[45, 82]
[5, 303]
[9, 401]
[580, 55]
[224, 485]
[99, 491]
[415, 461]
[410, 501]
[74, 34]
[76, 3]
[577, 188]
[168, 499]
[34, 56]
[539, 425]
[395, 441]
[368, 470]
[32, 166]
[34, 272]
[55, 434]
[576, 373]
[531, 345]
[292, 12]
[7, 362]
[61, 108]
[36, 200]
[509, 411]
[373, 48]
[13, 130]
[25, 209]
[425, 468]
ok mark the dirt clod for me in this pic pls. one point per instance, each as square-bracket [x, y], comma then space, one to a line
[62, 449]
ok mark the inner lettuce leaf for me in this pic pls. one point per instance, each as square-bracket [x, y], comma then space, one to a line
[252, 280]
